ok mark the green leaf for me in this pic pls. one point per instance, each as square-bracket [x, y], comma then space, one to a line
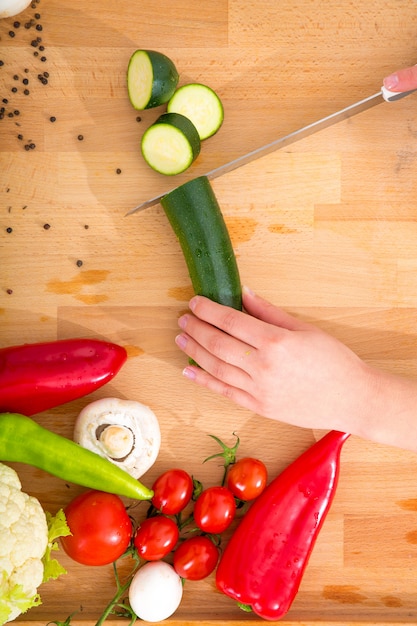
[57, 527]
[14, 597]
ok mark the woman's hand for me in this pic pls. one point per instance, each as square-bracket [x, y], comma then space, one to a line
[275, 365]
[280, 367]
[403, 80]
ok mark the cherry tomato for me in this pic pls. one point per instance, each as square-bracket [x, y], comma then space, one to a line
[156, 537]
[172, 491]
[101, 529]
[215, 509]
[196, 558]
[247, 478]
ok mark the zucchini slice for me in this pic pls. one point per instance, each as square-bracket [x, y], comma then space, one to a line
[171, 144]
[196, 218]
[151, 79]
[201, 105]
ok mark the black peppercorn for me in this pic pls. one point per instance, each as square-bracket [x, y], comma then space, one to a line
[80, 137]
[52, 118]
[14, 89]
[11, 33]
[1, 63]
[43, 59]
[47, 226]
[79, 263]
[9, 229]
[118, 171]
[38, 26]
[20, 137]
[26, 92]
[16, 24]
[9, 291]
[25, 81]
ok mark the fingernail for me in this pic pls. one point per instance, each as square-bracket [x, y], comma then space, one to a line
[390, 82]
[192, 303]
[247, 290]
[182, 321]
[189, 373]
[181, 341]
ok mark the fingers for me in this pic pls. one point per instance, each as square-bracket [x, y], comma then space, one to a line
[204, 379]
[403, 80]
[216, 342]
[267, 312]
[236, 324]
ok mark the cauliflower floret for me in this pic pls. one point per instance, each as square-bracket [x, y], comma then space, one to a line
[23, 542]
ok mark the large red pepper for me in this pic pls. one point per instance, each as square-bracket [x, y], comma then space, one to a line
[38, 376]
[264, 561]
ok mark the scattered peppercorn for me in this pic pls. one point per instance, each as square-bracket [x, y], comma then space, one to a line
[20, 137]
[118, 171]
[5, 100]
[43, 59]
[11, 33]
[38, 16]
[15, 77]
[1, 63]
[138, 119]
[16, 24]
[86, 226]
[26, 92]
[25, 81]
[39, 27]
[27, 147]
[32, 146]
[79, 263]
[46, 74]
[80, 137]
[47, 226]
[9, 291]
[41, 48]
[52, 118]
[9, 229]
[14, 89]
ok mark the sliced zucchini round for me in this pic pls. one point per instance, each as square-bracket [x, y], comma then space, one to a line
[171, 144]
[151, 79]
[201, 105]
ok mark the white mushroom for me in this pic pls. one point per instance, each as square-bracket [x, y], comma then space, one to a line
[125, 432]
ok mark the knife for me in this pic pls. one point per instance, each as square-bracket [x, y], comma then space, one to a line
[301, 133]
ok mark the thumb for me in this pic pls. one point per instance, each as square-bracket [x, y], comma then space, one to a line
[267, 312]
[403, 80]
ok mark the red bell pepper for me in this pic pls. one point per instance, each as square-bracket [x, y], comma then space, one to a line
[38, 376]
[263, 563]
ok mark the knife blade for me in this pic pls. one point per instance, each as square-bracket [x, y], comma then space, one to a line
[343, 114]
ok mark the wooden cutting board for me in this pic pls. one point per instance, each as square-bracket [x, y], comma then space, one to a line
[326, 228]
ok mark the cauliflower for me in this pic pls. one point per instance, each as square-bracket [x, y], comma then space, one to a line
[25, 539]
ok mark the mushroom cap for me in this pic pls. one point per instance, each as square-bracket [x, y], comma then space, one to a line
[126, 432]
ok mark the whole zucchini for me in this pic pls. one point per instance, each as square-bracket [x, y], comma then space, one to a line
[196, 218]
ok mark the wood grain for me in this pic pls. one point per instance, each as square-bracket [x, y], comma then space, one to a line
[326, 228]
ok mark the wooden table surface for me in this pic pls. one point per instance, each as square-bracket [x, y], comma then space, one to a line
[325, 228]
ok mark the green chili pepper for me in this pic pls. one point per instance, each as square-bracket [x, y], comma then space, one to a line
[25, 441]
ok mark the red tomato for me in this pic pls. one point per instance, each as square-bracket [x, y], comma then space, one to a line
[247, 478]
[196, 558]
[214, 509]
[101, 529]
[156, 537]
[172, 491]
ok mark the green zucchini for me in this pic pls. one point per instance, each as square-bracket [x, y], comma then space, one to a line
[151, 79]
[196, 218]
[171, 144]
[201, 105]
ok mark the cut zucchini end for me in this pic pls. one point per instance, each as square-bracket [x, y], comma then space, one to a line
[151, 79]
[171, 144]
[201, 105]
